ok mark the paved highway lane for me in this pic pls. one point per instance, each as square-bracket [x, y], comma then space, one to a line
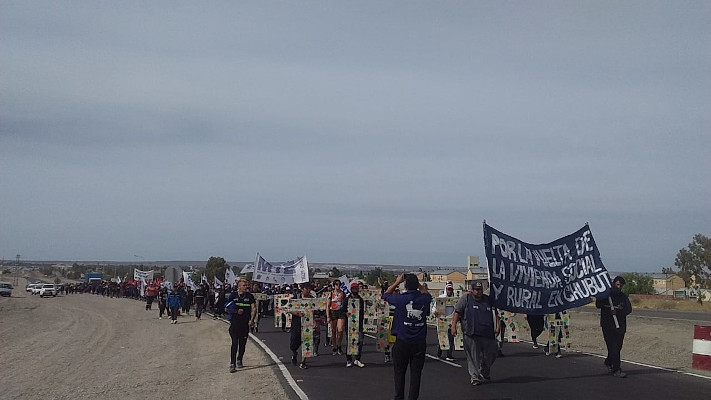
[700, 317]
[524, 373]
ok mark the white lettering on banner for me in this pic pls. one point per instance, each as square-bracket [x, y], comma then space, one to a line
[551, 257]
[523, 297]
[587, 287]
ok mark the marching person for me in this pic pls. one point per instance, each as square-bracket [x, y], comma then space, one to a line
[480, 326]
[200, 297]
[356, 296]
[448, 311]
[536, 323]
[336, 316]
[241, 311]
[295, 334]
[613, 321]
[173, 301]
[162, 298]
[410, 328]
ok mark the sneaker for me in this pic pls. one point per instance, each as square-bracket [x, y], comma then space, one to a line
[475, 382]
[233, 368]
[303, 365]
[535, 345]
[239, 364]
[486, 377]
[387, 358]
[340, 352]
[349, 364]
[335, 352]
[160, 317]
[558, 355]
[439, 353]
[359, 364]
[315, 353]
[293, 360]
[449, 358]
[619, 374]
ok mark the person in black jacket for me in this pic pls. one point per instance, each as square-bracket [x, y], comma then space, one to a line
[613, 321]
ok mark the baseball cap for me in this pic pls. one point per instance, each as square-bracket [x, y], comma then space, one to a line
[477, 285]
[354, 284]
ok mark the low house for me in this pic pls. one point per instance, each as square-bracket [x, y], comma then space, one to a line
[666, 283]
[444, 275]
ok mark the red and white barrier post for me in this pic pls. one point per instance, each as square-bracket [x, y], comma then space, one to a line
[701, 358]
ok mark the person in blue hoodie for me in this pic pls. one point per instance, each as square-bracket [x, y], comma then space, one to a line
[174, 301]
[410, 329]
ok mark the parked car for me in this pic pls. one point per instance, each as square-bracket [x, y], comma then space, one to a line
[35, 288]
[48, 289]
[5, 289]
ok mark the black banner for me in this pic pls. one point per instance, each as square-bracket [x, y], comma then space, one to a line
[544, 278]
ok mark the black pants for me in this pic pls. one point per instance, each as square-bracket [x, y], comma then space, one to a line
[199, 306]
[407, 354]
[613, 339]
[161, 309]
[239, 332]
[536, 323]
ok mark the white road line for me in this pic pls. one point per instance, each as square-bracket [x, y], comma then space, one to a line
[282, 367]
[430, 356]
[640, 364]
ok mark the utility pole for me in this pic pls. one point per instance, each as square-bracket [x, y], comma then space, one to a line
[17, 269]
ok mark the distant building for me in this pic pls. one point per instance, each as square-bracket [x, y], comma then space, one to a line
[445, 275]
[666, 283]
[474, 271]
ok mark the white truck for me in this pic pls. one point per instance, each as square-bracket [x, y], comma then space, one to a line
[48, 289]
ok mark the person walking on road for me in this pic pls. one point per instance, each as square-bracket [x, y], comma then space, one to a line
[336, 316]
[410, 328]
[173, 301]
[480, 325]
[162, 298]
[200, 297]
[536, 323]
[356, 296]
[448, 311]
[241, 311]
[613, 321]
[295, 334]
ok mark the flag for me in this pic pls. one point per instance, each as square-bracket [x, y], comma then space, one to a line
[189, 281]
[204, 278]
[247, 269]
[345, 288]
[218, 284]
[230, 276]
[301, 270]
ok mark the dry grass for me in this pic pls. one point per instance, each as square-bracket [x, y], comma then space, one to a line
[664, 303]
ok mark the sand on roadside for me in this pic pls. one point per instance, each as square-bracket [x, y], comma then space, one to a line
[83, 346]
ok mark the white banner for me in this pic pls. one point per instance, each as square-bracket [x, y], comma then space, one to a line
[138, 274]
[218, 283]
[294, 271]
[247, 269]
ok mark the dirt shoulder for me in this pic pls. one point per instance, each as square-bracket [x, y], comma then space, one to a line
[88, 347]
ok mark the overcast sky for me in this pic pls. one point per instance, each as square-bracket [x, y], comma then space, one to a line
[352, 132]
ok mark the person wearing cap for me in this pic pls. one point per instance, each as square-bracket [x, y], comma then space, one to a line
[480, 326]
[448, 311]
[613, 321]
[410, 329]
[295, 338]
[355, 296]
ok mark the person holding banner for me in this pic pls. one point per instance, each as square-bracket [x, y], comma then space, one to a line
[410, 329]
[355, 295]
[295, 334]
[336, 316]
[613, 321]
[480, 325]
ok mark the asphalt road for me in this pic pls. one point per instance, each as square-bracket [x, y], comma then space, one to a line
[524, 373]
[698, 316]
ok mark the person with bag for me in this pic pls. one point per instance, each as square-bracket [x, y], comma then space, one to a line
[480, 325]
